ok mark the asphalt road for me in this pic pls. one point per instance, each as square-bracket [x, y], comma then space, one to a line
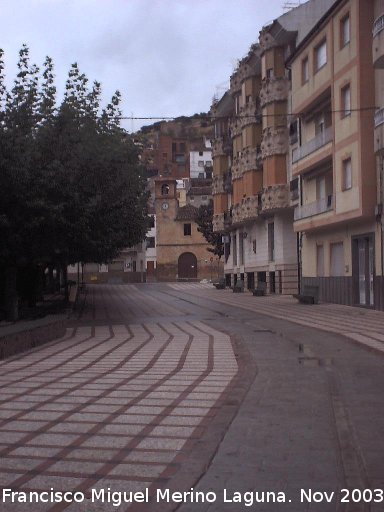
[162, 388]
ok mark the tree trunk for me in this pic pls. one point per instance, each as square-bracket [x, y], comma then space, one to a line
[64, 268]
[50, 280]
[10, 295]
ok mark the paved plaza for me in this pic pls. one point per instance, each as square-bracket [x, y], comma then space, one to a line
[181, 385]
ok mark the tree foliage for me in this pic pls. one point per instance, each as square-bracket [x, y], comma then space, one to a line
[71, 187]
[204, 221]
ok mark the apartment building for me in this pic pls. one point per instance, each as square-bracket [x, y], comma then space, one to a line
[378, 64]
[200, 161]
[251, 181]
[171, 155]
[336, 153]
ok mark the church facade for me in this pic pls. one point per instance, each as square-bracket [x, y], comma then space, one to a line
[182, 251]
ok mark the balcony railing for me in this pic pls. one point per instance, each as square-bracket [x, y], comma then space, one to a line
[316, 143]
[310, 209]
[378, 25]
[251, 159]
[275, 197]
[222, 221]
[379, 117]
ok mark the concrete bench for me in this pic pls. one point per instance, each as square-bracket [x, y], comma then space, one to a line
[309, 295]
[260, 289]
[239, 287]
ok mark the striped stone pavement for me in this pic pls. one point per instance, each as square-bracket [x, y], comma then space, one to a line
[361, 325]
[109, 406]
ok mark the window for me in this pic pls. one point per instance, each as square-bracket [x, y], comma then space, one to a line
[337, 259]
[201, 153]
[187, 230]
[254, 246]
[208, 163]
[234, 250]
[346, 101]
[320, 55]
[237, 104]
[271, 241]
[294, 131]
[200, 163]
[180, 158]
[270, 73]
[241, 248]
[304, 70]
[345, 31]
[319, 124]
[347, 174]
[182, 147]
[320, 188]
[165, 190]
[151, 221]
[151, 242]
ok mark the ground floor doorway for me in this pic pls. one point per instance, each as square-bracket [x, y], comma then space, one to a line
[187, 266]
[363, 259]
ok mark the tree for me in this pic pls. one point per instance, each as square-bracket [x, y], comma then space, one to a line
[71, 187]
[204, 221]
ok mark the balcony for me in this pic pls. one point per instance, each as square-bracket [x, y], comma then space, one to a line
[237, 214]
[274, 89]
[379, 130]
[247, 210]
[316, 208]
[379, 117]
[313, 145]
[251, 207]
[235, 127]
[221, 222]
[221, 146]
[218, 223]
[378, 42]
[251, 159]
[275, 198]
[236, 168]
[250, 113]
[274, 142]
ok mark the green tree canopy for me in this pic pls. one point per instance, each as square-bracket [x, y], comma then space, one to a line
[70, 181]
[204, 221]
[71, 186]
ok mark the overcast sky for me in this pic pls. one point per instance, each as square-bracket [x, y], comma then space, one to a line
[167, 57]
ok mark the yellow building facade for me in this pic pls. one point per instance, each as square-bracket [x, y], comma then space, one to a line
[333, 102]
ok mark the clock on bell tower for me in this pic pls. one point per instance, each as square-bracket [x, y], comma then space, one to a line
[165, 199]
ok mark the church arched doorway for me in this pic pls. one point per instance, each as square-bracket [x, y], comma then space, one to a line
[187, 266]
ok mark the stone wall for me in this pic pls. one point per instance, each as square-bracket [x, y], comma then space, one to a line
[18, 338]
